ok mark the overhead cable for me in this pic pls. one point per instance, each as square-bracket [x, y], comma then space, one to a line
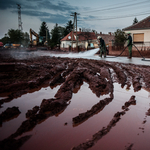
[118, 7]
[115, 17]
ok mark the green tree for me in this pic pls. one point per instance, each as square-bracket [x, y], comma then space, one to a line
[61, 31]
[57, 34]
[44, 33]
[5, 39]
[87, 35]
[135, 20]
[68, 28]
[43, 29]
[120, 38]
[15, 36]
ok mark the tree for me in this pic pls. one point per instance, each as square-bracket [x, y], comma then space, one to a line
[135, 20]
[94, 31]
[61, 31]
[44, 33]
[57, 34]
[43, 29]
[68, 28]
[15, 36]
[120, 38]
[5, 39]
[87, 35]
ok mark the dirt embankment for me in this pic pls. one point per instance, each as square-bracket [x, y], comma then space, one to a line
[20, 76]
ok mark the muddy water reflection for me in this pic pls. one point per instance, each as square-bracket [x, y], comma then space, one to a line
[25, 102]
[57, 132]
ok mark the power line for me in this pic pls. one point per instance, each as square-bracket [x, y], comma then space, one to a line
[118, 7]
[91, 9]
[96, 17]
[116, 17]
[142, 7]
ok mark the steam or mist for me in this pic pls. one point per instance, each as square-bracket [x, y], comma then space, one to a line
[85, 54]
[23, 54]
[90, 54]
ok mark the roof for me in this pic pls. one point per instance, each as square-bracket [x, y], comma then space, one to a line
[143, 24]
[107, 37]
[82, 36]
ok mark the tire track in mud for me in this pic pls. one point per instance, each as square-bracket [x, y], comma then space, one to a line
[105, 130]
[70, 75]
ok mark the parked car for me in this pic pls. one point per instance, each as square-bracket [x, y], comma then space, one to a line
[8, 46]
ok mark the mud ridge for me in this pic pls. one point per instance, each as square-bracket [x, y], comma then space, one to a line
[19, 77]
[97, 136]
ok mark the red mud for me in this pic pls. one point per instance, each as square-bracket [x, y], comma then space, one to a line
[18, 77]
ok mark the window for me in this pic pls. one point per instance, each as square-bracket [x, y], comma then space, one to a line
[138, 38]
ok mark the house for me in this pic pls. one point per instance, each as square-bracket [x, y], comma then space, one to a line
[140, 32]
[108, 38]
[79, 41]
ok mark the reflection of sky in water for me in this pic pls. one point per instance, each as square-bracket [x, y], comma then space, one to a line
[52, 133]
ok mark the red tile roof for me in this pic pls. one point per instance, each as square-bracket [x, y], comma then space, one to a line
[143, 24]
[82, 36]
[107, 37]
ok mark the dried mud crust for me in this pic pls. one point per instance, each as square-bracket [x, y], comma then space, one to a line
[20, 76]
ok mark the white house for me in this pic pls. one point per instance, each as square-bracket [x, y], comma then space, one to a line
[82, 40]
[140, 32]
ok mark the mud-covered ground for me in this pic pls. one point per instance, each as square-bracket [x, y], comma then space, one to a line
[18, 77]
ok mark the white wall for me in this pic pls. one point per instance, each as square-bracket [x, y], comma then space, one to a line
[146, 34]
[65, 44]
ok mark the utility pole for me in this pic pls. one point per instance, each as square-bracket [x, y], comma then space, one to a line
[74, 28]
[19, 18]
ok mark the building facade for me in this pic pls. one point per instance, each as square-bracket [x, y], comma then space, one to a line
[79, 41]
[140, 33]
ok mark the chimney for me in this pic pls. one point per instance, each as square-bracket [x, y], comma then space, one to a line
[79, 29]
[109, 33]
[101, 33]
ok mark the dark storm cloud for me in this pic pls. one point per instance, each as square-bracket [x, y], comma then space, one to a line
[89, 18]
[60, 6]
[35, 13]
[38, 4]
[56, 18]
[46, 10]
[4, 4]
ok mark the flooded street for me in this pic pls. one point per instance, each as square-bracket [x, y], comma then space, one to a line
[94, 102]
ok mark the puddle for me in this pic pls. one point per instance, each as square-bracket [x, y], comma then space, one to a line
[57, 132]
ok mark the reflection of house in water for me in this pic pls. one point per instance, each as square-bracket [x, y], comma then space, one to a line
[83, 40]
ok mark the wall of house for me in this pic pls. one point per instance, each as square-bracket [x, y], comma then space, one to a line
[146, 44]
[83, 45]
[65, 44]
[146, 34]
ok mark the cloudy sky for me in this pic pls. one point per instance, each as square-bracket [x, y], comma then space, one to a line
[100, 15]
